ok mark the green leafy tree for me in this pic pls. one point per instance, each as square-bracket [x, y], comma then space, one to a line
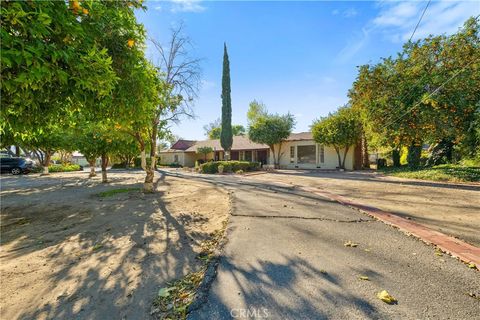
[213, 130]
[205, 151]
[226, 134]
[44, 143]
[255, 110]
[50, 64]
[340, 130]
[99, 140]
[428, 93]
[272, 130]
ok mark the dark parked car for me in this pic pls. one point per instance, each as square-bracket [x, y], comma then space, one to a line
[15, 165]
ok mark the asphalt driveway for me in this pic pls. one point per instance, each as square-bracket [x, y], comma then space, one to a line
[453, 209]
[285, 259]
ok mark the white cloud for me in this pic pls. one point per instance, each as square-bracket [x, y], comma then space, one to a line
[186, 6]
[350, 12]
[355, 45]
[347, 13]
[158, 8]
[396, 21]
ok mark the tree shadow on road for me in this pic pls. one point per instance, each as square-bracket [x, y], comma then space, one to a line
[94, 258]
[292, 289]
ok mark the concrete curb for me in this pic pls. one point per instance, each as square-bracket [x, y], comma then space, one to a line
[457, 248]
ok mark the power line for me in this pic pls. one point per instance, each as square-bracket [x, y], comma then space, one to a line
[418, 23]
[431, 94]
[436, 90]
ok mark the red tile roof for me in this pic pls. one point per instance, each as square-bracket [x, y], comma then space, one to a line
[183, 144]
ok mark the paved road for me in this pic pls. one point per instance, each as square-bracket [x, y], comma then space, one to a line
[285, 259]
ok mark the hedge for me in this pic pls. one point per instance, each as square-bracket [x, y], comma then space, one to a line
[64, 168]
[229, 166]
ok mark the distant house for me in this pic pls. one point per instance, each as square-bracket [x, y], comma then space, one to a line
[299, 151]
[80, 159]
[184, 152]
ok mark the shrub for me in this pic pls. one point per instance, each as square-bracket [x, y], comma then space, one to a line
[229, 166]
[220, 168]
[138, 162]
[64, 168]
[170, 165]
[119, 166]
[239, 171]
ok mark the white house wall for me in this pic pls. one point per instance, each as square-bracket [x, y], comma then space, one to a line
[185, 159]
[330, 156]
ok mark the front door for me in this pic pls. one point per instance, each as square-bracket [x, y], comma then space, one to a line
[262, 156]
[234, 155]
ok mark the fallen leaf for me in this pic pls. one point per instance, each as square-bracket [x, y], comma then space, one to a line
[323, 271]
[386, 297]
[96, 247]
[474, 295]
[472, 265]
[350, 243]
[364, 278]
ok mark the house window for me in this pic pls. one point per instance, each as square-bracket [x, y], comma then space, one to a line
[292, 154]
[306, 154]
[248, 156]
[321, 151]
[175, 158]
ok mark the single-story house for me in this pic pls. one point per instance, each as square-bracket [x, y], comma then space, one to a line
[298, 151]
[184, 152]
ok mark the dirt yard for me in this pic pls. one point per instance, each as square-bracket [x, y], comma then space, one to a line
[449, 208]
[68, 253]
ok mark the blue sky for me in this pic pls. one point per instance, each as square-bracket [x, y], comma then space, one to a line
[297, 57]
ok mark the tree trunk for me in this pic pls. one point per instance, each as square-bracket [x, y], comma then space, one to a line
[148, 184]
[150, 171]
[91, 163]
[272, 148]
[396, 157]
[339, 158]
[46, 162]
[365, 159]
[414, 154]
[143, 158]
[17, 151]
[104, 168]
[344, 157]
[279, 155]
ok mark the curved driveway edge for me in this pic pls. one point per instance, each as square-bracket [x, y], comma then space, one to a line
[457, 248]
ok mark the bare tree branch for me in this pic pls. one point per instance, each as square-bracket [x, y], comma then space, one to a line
[181, 73]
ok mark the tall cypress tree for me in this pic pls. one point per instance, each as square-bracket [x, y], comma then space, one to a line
[226, 136]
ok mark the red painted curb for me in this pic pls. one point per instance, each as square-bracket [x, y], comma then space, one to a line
[457, 248]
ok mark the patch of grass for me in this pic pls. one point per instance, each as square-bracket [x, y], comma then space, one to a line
[113, 192]
[96, 247]
[172, 302]
[444, 172]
